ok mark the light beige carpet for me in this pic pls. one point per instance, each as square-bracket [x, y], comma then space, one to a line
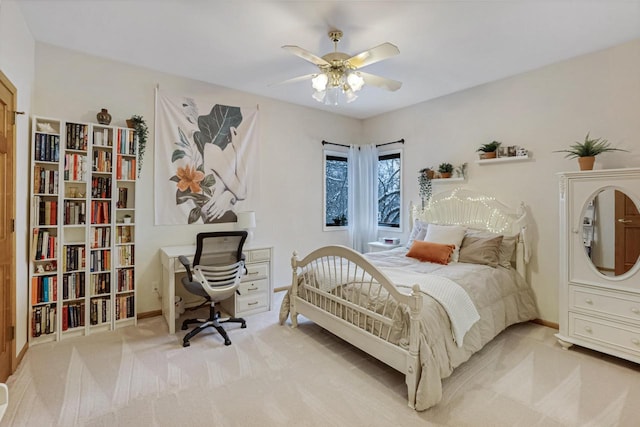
[276, 376]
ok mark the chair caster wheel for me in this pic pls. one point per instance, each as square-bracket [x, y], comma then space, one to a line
[243, 326]
[227, 342]
[186, 344]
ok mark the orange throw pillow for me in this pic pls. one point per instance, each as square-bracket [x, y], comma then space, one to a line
[430, 251]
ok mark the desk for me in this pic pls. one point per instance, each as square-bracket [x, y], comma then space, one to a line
[255, 288]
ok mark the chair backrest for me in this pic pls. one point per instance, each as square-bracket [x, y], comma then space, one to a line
[219, 248]
[221, 281]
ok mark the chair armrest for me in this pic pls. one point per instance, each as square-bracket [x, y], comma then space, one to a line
[187, 266]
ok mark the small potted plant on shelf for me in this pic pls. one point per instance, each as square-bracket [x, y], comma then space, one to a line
[587, 151]
[445, 170]
[489, 151]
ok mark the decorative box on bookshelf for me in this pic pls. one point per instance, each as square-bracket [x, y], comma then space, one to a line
[82, 267]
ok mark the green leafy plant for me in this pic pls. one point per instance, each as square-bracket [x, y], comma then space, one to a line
[445, 168]
[589, 148]
[490, 147]
[142, 132]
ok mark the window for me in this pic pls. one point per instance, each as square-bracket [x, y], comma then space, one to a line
[336, 189]
[389, 185]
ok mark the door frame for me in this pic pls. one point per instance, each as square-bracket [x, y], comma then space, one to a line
[12, 278]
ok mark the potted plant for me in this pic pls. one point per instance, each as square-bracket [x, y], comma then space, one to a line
[587, 151]
[142, 131]
[445, 170]
[488, 151]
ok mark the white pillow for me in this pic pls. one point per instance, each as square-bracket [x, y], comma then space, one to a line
[448, 235]
[418, 232]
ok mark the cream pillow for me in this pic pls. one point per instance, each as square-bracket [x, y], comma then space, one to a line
[447, 235]
[418, 232]
[507, 247]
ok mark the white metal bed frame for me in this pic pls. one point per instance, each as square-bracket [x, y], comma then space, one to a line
[370, 330]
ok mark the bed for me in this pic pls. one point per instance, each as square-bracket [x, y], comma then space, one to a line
[421, 318]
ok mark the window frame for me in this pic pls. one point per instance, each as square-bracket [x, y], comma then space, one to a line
[325, 155]
[399, 152]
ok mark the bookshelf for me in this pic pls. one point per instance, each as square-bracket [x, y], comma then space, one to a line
[81, 264]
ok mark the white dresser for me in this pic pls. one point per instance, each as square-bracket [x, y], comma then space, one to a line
[599, 301]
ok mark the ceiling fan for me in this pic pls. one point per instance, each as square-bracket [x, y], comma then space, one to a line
[340, 73]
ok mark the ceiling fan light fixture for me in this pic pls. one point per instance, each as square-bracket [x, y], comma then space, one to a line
[355, 81]
[319, 95]
[319, 82]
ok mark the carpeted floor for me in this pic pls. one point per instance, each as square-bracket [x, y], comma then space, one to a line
[273, 375]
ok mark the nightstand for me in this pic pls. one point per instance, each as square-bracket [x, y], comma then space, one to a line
[379, 246]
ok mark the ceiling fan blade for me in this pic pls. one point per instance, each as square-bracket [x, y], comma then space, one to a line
[306, 55]
[381, 82]
[295, 79]
[373, 55]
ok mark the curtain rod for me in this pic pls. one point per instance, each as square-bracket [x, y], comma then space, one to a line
[400, 141]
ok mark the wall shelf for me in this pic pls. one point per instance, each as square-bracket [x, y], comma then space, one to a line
[447, 180]
[504, 159]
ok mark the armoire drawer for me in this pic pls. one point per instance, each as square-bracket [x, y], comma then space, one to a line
[609, 334]
[604, 302]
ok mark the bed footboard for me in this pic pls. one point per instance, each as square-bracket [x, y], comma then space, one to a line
[340, 290]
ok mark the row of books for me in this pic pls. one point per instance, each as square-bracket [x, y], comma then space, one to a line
[100, 237]
[122, 197]
[100, 310]
[101, 187]
[126, 142]
[125, 279]
[44, 289]
[47, 148]
[77, 136]
[100, 212]
[125, 168]
[100, 260]
[73, 286]
[74, 212]
[101, 137]
[43, 320]
[123, 234]
[73, 258]
[125, 256]
[72, 315]
[125, 307]
[100, 283]
[45, 211]
[45, 181]
[75, 167]
[102, 161]
[44, 244]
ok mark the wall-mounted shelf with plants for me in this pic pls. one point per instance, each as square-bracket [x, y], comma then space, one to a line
[505, 159]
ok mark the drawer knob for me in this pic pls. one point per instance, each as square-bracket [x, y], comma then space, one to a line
[588, 301]
[253, 303]
[635, 341]
[252, 289]
[635, 310]
[588, 329]
[253, 273]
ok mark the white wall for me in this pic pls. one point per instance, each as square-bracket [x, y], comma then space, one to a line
[17, 63]
[76, 86]
[543, 110]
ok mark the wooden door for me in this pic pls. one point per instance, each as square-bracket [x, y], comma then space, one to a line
[627, 233]
[7, 235]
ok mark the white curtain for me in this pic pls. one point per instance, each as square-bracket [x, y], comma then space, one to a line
[363, 195]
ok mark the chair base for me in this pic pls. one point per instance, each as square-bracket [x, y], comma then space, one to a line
[214, 322]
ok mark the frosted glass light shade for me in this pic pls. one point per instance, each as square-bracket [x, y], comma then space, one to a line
[246, 220]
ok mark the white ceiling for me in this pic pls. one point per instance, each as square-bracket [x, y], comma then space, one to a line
[445, 46]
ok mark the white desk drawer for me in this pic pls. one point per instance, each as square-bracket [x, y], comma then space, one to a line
[622, 337]
[255, 272]
[255, 255]
[252, 302]
[253, 287]
[608, 303]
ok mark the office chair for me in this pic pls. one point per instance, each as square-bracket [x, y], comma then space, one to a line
[218, 266]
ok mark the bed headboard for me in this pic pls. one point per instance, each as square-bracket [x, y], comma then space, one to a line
[479, 211]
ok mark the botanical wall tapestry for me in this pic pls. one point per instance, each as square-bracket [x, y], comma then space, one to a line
[203, 157]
